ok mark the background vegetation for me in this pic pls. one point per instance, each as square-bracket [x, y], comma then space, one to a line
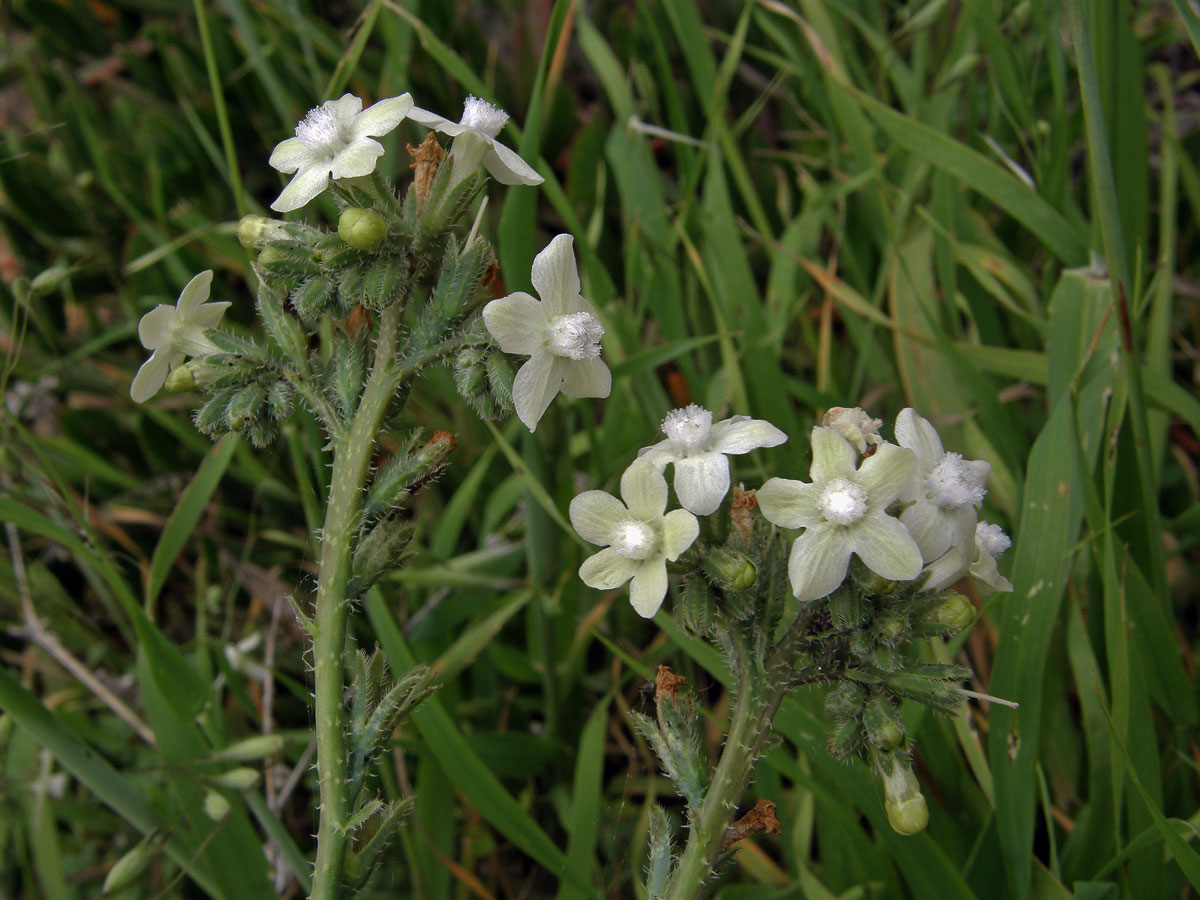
[983, 210]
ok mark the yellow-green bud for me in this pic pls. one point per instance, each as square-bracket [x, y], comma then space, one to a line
[194, 374]
[250, 748]
[48, 281]
[730, 570]
[240, 779]
[362, 229]
[883, 724]
[216, 806]
[254, 229]
[905, 805]
[129, 867]
[955, 611]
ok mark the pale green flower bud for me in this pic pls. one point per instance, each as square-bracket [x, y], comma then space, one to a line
[883, 724]
[362, 229]
[194, 374]
[129, 867]
[251, 748]
[905, 805]
[240, 779]
[216, 806]
[955, 611]
[731, 570]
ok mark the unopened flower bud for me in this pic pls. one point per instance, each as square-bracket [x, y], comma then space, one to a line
[905, 805]
[253, 229]
[362, 229]
[955, 611]
[730, 570]
[216, 806]
[890, 628]
[883, 724]
[240, 779]
[250, 748]
[855, 426]
[129, 867]
[194, 374]
[48, 281]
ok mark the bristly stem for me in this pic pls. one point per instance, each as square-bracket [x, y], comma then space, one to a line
[351, 464]
[757, 700]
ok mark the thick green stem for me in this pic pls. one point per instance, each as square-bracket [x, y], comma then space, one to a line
[753, 711]
[351, 463]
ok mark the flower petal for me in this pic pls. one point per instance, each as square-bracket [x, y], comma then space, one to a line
[984, 571]
[660, 455]
[428, 119]
[154, 329]
[915, 433]
[608, 569]
[886, 473]
[644, 491]
[586, 378]
[346, 106]
[555, 276]
[702, 481]
[886, 547]
[290, 155]
[649, 587]
[818, 563]
[150, 377]
[357, 159]
[945, 570]
[741, 434]
[208, 315]
[833, 456]
[679, 530]
[535, 386]
[595, 516]
[380, 118]
[928, 527]
[517, 323]
[507, 167]
[305, 184]
[789, 503]
[193, 294]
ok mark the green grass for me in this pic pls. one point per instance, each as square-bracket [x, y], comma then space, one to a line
[824, 206]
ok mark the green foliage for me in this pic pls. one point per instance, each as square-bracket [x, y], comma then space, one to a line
[838, 203]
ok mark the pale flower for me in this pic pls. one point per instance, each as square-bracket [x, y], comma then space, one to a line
[175, 333]
[852, 423]
[475, 143]
[946, 490]
[698, 447]
[334, 140]
[560, 334]
[989, 545]
[638, 538]
[843, 511]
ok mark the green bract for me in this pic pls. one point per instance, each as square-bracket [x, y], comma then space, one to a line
[639, 538]
[843, 511]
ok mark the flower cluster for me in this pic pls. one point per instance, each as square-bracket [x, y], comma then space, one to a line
[907, 510]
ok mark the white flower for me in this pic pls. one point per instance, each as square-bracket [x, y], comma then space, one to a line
[475, 143]
[843, 511]
[945, 491]
[174, 333]
[638, 538]
[698, 450]
[852, 423]
[989, 545]
[560, 334]
[334, 139]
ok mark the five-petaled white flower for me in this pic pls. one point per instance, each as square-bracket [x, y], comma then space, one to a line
[989, 545]
[639, 539]
[475, 143]
[176, 332]
[843, 511]
[334, 140]
[946, 490]
[698, 449]
[560, 334]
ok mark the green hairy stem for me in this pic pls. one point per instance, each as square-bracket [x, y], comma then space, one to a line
[351, 463]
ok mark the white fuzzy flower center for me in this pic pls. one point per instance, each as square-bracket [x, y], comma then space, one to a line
[483, 117]
[575, 336]
[953, 484]
[690, 427]
[635, 540]
[991, 539]
[322, 130]
[843, 502]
